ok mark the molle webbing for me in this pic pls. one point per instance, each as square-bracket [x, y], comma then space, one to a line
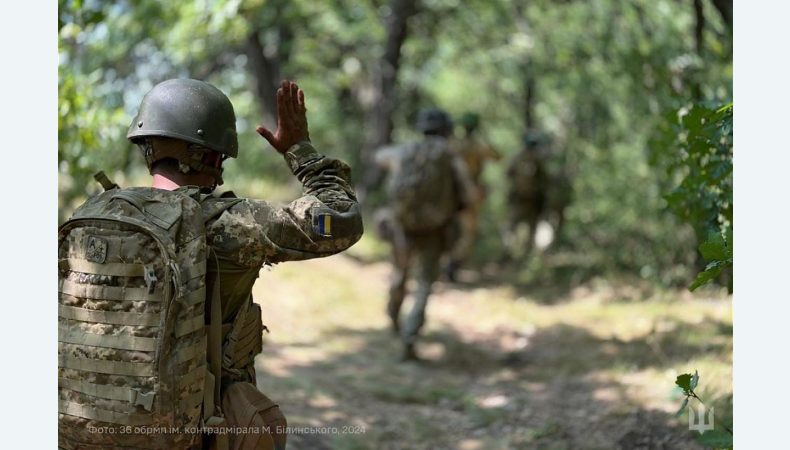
[90, 412]
[109, 392]
[75, 335]
[248, 339]
[232, 338]
[132, 369]
[193, 298]
[188, 326]
[192, 351]
[111, 269]
[101, 292]
[193, 377]
[112, 317]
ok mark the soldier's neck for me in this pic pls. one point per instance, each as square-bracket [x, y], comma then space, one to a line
[163, 182]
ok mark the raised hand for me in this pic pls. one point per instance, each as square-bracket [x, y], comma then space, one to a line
[291, 119]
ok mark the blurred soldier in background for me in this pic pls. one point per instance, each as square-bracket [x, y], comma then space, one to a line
[427, 186]
[540, 189]
[560, 191]
[527, 194]
[475, 153]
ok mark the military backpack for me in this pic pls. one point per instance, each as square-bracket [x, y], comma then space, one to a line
[133, 368]
[424, 194]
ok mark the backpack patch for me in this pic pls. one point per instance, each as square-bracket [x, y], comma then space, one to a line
[96, 249]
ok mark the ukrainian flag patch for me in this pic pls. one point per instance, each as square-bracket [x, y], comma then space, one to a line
[322, 223]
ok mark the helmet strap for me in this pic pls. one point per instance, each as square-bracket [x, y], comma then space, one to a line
[189, 156]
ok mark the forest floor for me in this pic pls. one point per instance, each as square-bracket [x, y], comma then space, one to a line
[506, 367]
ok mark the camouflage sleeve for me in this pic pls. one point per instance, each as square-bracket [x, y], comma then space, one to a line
[324, 221]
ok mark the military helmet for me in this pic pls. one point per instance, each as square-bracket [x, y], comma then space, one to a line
[189, 110]
[433, 120]
[470, 120]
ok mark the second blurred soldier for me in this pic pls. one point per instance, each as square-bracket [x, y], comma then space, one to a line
[427, 186]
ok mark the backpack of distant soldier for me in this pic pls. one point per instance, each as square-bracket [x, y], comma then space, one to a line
[132, 358]
[424, 193]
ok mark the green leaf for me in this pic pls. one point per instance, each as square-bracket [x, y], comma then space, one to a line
[684, 381]
[725, 110]
[711, 271]
[694, 380]
[714, 248]
[682, 407]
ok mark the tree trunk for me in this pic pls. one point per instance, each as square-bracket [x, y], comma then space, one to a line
[699, 28]
[725, 9]
[529, 97]
[386, 95]
[265, 62]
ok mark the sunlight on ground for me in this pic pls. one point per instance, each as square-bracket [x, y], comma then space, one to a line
[503, 369]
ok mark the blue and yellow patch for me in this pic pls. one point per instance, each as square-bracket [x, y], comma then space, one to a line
[323, 224]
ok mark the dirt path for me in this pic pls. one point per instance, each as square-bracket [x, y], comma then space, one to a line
[503, 370]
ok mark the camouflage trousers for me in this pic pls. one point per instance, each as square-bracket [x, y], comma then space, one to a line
[416, 255]
[524, 211]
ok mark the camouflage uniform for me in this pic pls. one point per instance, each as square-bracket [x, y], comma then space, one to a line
[419, 252]
[185, 129]
[246, 234]
[474, 153]
[560, 193]
[527, 194]
[242, 235]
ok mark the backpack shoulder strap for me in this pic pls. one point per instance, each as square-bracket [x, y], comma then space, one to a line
[213, 415]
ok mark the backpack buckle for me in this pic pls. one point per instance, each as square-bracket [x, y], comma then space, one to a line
[144, 399]
[150, 278]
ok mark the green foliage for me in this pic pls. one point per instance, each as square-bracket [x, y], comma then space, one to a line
[717, 250]
[687, 382]
[704, 160]
[713, 438]
[603, 71]
[696, 144]
[684, 382]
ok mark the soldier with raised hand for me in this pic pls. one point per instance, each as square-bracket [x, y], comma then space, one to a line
[427, 186]
[186, 129]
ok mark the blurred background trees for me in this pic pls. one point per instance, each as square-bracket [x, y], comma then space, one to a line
[621, 88]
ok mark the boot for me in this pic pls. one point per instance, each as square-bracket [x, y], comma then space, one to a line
[451, 271]
[394, 316]
[408, 353]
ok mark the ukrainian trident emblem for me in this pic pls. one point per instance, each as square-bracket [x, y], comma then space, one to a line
[705, 422]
